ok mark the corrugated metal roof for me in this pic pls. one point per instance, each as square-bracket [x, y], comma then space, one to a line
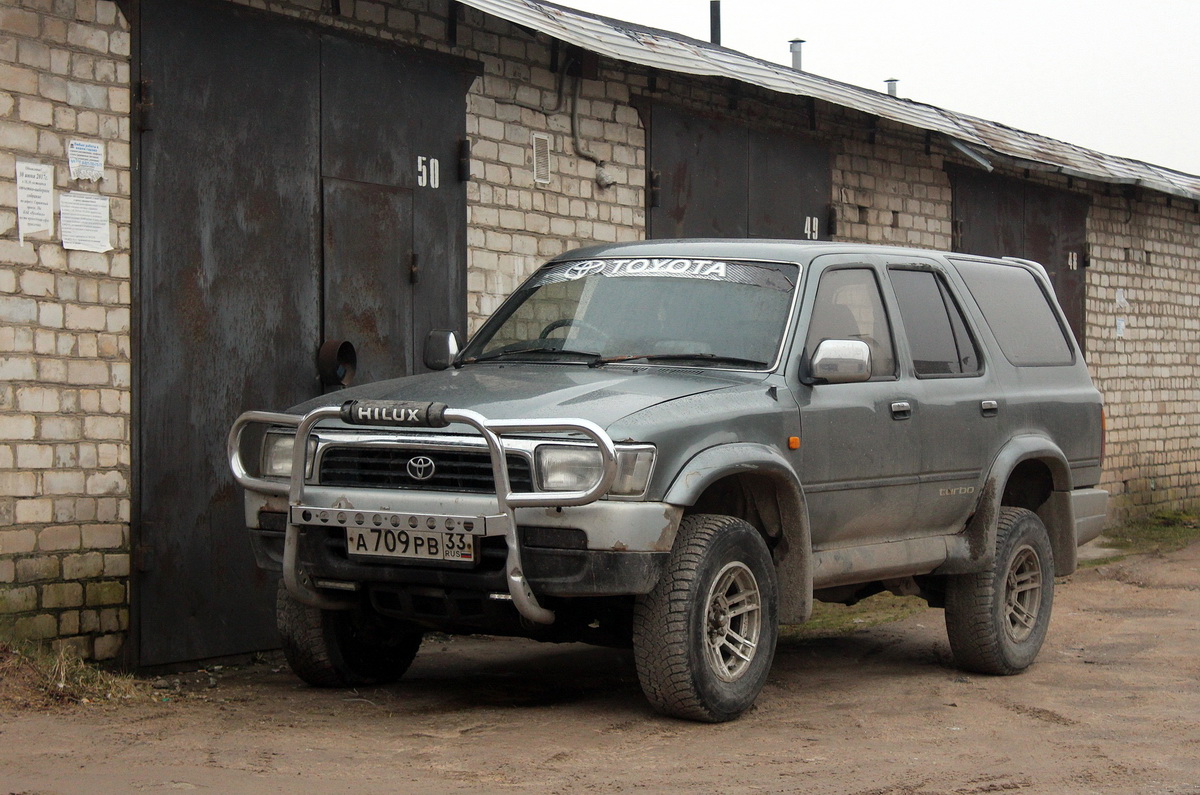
[673, 52]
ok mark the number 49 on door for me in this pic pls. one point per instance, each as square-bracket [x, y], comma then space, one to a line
[812, 227]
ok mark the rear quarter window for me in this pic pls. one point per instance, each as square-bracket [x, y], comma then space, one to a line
[1018, 312]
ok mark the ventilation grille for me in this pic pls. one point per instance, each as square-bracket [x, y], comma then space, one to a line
[541, 158]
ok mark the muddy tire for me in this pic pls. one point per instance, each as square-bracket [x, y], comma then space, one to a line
[997, 619]
[342, 648]
[704, 638]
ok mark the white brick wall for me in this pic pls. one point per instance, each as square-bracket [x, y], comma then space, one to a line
[64, 335]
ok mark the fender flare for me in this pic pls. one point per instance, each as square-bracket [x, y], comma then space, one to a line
[793, 552]
[980, 533]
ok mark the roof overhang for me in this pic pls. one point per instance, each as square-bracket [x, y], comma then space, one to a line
[672, 52]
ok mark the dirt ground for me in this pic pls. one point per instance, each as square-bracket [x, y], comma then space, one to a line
[1112, 705]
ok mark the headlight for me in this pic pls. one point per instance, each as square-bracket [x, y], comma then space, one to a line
[277, 455]
[578, 469]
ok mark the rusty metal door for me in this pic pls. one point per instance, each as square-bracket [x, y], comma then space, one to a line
[717, 178]
[1006, 217]
[1056, 236]
[279, 194]
[368, 301]
[789, 187]
[392, 127]
[228, 288]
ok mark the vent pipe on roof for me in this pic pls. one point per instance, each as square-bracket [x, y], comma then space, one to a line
[891, 84]
[796, 44]
[714, 21]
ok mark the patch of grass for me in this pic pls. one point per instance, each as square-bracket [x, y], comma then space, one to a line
[1164, 532]
[35, 676]
[831, 620]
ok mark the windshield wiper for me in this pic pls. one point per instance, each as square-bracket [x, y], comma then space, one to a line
[681, 357]
[524, 351]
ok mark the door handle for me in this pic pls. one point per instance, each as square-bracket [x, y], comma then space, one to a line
[989, 408]
[901, 410]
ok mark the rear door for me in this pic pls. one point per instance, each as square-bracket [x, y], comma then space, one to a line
[957, 406]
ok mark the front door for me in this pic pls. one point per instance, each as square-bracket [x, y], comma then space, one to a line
[860, 452]
[280, 188]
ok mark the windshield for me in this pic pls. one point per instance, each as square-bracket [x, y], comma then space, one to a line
[716, 313]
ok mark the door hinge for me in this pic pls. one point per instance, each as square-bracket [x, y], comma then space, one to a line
[144, 105]
[143, 557]
[464, 160]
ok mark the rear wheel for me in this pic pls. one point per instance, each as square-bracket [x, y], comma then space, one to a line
[704, 638]
[342, 648]
[997, 619]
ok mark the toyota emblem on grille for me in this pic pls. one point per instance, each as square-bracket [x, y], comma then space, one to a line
[420, 467]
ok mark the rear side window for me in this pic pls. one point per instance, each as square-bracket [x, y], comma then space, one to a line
[937, 334]
[1018, 312]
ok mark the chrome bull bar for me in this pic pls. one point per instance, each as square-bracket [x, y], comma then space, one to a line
[404, 414]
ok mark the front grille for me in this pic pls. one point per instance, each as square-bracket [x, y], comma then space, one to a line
[387, 468]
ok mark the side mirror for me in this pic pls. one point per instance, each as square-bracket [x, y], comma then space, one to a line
[441, 346]
[841, 362]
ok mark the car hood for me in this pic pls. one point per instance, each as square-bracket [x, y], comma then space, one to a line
[531, 391]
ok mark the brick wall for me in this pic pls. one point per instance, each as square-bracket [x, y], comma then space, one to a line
[64, 334]
[64, 316]
[1145, 275]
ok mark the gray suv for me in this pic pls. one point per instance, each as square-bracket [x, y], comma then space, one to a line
[679, 445]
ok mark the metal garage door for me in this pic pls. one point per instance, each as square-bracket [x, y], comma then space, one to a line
[1005, 217]
[281, 205]
[716, 178]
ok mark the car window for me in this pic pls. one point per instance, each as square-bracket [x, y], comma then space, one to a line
[1018, 312]
[849, 307]
[933, 324]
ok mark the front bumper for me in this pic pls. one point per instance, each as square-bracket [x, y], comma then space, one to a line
[551, 570]
[633, 538]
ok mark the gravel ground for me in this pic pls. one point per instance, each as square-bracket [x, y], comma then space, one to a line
[1112, 706]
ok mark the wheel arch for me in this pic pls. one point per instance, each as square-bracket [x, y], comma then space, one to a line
[756, 483]
[1029, 472]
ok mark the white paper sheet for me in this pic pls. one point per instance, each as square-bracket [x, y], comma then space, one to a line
[35, 199]
[86, 160]
[85, 222]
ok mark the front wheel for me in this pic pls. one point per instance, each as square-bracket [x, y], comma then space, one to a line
[342, 648]
[997, 619]
[704, 638]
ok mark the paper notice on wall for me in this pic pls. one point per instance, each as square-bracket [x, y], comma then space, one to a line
[86, 160]
[85, 222]
[35, 199]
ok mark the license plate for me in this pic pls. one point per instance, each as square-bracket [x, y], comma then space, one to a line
[387, 542]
